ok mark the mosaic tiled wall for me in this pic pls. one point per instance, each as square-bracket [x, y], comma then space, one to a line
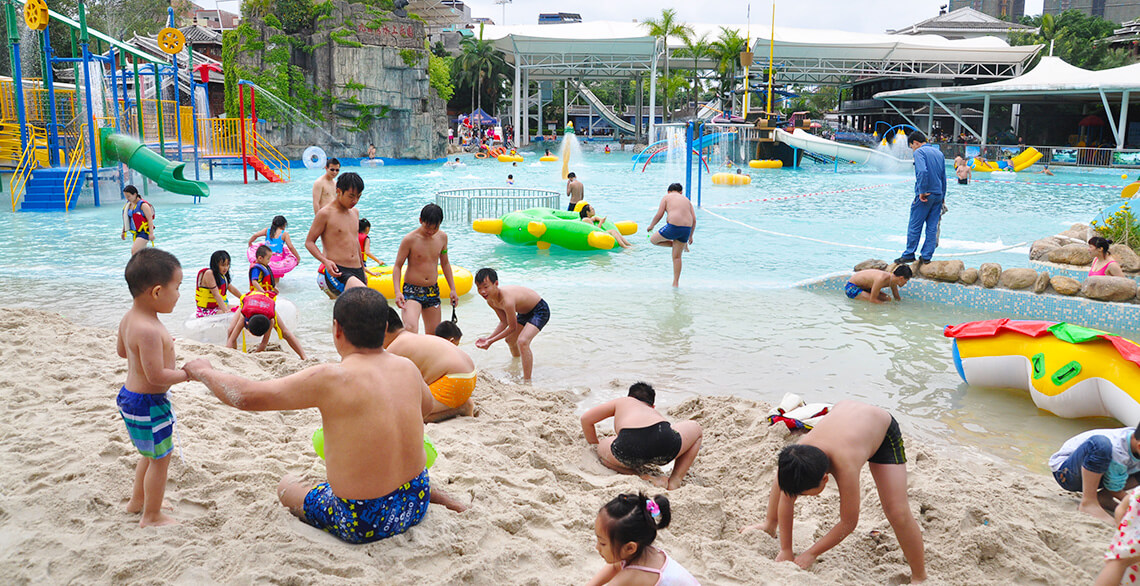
[1065, 270]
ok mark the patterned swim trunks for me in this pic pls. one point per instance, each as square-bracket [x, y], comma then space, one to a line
[426, 296]
[150, 422]
[357, 521]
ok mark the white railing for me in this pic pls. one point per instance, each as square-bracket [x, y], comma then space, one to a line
[493, 202]
[1052, 155]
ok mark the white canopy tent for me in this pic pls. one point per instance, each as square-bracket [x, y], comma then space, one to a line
[1051, 81]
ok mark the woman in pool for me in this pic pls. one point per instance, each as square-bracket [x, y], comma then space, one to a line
[588, 216]
[212, 285]
[276, 238]
[1103, 264]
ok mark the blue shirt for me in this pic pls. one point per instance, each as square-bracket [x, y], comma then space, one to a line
[929, 171]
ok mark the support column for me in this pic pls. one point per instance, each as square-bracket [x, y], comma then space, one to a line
[985, 121]
[1123, 126]
[515, 103]
[526, 111]
[1015, 118]
[957, 124]
[565, 103]
[49, 85]
[652, 97]
[639, 123]
[83, 40]
[929, 119]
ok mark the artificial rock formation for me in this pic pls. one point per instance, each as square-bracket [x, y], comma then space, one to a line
[1109, 288]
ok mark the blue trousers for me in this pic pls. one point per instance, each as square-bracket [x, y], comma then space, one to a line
[930, 214]
[1094, 455]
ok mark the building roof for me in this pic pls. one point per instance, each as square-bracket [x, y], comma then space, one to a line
[962, 20]
[1129, 31]
[198, 34]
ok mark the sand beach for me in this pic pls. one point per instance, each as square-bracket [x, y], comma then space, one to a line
[532, 483]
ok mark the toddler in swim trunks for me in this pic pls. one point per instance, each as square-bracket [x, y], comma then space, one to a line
[644, 438]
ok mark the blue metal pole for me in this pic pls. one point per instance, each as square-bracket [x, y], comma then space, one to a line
[700, 131]
[18, 89]
[90, 121]
[52, 126]
[115, 90]
[194, 124]
[177, 100]
[689, 159]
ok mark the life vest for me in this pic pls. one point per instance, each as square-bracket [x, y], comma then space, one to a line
[263, 275]
[134, 220]
[361, 238]
[202, 295]
[255, 303]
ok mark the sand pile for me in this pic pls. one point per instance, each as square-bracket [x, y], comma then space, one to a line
[532, 483]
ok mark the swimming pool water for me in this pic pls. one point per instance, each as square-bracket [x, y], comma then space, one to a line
[734, 327]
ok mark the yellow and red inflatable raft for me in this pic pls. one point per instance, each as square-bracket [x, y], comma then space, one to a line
[1069, 370]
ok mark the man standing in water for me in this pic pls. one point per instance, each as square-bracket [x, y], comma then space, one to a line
[680, 223]
[929, 193]
[574, 189]
[324, 188]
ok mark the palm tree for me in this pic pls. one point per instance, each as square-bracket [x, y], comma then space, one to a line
[727, 48]
[663, 28]
[697, 48]
[478, 63]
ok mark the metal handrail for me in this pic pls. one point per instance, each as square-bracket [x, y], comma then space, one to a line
[271, 156]
[74, 168]
[28, 163]
[1107, 157]
[494, 201]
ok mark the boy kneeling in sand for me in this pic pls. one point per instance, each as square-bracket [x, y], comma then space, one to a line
[851, 435]
[644, 437]
[868, 284]
[372, 405]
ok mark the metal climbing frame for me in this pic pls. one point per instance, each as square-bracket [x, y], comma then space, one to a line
[492, 202]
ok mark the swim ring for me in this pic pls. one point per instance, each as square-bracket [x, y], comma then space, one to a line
[280, 262]
[545, 226]
[314, 157]
[429, 447]
[383, 282]
[1069, 370]
[548, 158]
[510, 158]
[371, 162]
[212, 329]
[765, 163]
[731, 179]
[1020, 162]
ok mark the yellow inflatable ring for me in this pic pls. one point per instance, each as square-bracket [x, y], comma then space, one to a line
[731, 179]
[383, 283]
[510, 158]
[548, 158]
[766, 163]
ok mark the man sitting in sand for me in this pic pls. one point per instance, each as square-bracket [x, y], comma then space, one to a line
[522, 315]
[324, 188]
[1095, 460]
[868, 284]
[644, 438]
[448, 371]
[680, 223]
[850, 435]
[337, 225]
[372, 406]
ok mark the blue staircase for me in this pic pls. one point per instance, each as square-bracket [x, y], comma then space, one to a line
[44, 191]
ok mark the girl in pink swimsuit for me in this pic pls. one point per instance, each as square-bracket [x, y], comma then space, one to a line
[1103, 263]
[626, 528]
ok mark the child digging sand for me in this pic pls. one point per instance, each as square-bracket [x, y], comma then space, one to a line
[448, 371]
[153, 277]
[644, 438]
[851, 435]
[372, 406]
[626, 528]
[522, 315]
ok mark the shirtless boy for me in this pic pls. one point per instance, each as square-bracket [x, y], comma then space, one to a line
[522, 314]
[324, 188]
[680, 223]
[372, 406]
[574, 189]
[425, 250]
[644, 437]
[868, 284]
[153, 277]
[337, 225]
[448, 371]
[851, 435]
[962, 170]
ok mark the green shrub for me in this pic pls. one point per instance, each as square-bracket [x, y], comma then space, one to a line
[410, 57]
[1121, 227]
[439, 75]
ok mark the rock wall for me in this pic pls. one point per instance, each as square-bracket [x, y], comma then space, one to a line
[374, 96]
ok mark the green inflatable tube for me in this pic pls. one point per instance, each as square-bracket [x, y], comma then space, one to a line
[547, 226]
[167, 174]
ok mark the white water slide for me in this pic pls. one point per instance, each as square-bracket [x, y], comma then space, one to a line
[604, 111]
[829, 148]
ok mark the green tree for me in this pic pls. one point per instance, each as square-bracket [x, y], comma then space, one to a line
[726, 49]
[663, 28]
[1073, 36]
[479, 65]
[696, 48]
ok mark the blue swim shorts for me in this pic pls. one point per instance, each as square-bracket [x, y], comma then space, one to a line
[538, 315]
[426, 296]
[150, 422]
[357, 521]
[852, 290]
[678, 233]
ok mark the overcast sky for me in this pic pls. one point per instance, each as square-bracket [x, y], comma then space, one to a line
[867, 16]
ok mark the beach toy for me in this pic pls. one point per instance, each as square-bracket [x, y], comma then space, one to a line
[510, 158]
[212, 329]
[1124, 176]
[1022, 161]
[794, 413]
[548, 158]
[1130, 190]
[314, 157]
[1069, 370]
[279, 262]
[429, 447]
[545, 226]
[765, 163]
[383, 282]
[731, 179]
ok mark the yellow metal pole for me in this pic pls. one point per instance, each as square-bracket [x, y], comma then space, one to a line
[771, 55]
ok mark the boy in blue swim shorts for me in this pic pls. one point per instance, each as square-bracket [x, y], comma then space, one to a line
[372, 404]
[522, 315]
[153, 277]
[680, 223]
[869, 284]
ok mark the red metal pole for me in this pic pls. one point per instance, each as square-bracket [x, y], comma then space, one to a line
[253, 122]
[241, 118]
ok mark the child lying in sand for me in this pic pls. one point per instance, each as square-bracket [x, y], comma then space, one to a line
[626, 528]
[644, 438]
[1121, 558]
[372, 405]
[851, 435]
[258, 315]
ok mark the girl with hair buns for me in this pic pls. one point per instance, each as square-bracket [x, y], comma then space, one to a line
[1103, 264]
[626, 528]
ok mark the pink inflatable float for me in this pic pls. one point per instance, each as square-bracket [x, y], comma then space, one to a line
[280, 263]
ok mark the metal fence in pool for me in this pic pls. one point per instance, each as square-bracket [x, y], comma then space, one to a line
[492, 202]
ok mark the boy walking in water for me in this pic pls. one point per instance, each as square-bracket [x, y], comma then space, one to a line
[153, 277]
[680, 223]
[448, 371]
[574, 189]
[337, 225]
[644, 437]
[425, 249]
[324, 188]
[868, 284]
[851, 435]
[522, 314]
[372, 405]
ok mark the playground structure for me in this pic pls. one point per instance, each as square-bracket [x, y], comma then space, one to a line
[73, 144]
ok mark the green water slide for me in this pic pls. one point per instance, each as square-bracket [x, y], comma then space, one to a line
[166, 173]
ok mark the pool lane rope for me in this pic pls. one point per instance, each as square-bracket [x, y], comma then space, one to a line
[845, 245]
[1050, 184]
[787, 197]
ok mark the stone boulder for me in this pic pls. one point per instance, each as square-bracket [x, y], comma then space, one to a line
[1109, 288]
[871, 263]
[1071, 254]
[991, 274]
[946, 271]
[1041, 248]
[1042, 282]
[969, 276]
[1018, 278]
[1129, 260]
[1079, 231]
[1065, 285]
